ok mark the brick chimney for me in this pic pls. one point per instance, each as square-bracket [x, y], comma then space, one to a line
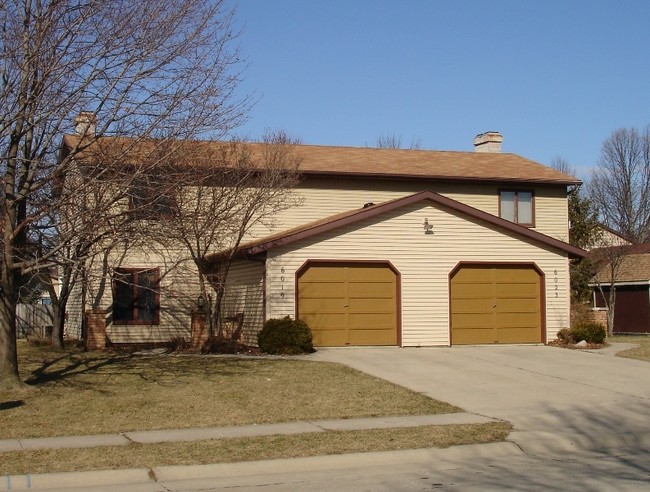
[488, 142]
[84, 124]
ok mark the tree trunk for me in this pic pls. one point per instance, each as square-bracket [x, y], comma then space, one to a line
[58, 320]
[611, 310]
[9, 376]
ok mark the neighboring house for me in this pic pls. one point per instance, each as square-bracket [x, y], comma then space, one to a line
[607, 237]
[390, 247]
[632, 283]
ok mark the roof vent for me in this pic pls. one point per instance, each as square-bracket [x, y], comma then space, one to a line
[488, 142]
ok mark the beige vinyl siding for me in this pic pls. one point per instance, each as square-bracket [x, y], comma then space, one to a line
[321, 198]
[74, 310]
[552, 212]
[245, 294]
[424, 262]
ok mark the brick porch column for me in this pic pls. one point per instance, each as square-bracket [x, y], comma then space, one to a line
[95, 329]
[200, 329]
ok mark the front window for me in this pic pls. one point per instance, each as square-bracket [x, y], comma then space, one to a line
[151, 198]
[517, 207]
[136, 296]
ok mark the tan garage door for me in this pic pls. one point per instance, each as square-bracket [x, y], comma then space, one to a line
[496, 304]
[349, 304]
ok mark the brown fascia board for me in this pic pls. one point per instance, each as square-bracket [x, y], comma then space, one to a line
[341, 220]
[433, 177]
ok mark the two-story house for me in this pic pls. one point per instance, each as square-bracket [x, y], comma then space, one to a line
[401, 247]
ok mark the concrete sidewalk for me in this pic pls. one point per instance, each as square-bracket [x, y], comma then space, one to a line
[204, 433]
[112, 478]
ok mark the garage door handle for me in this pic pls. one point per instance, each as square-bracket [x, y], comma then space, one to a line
[347, 305]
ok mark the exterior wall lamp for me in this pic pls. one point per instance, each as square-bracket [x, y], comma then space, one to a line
[428, 228]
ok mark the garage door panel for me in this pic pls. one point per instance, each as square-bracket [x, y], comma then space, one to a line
[371, 320]
[511, 320]
[473, 291]
[349, 304]
[370, 290]
[370, 306]
[518, 305]
[517, 335]
[322, 274]
[473, 336]
[326, 320]
[505, 310]
[505, 274]
[370, 274]
[518, 290]
[373, 337]
[308, 306]
[329, 337]
[470, 306]
[472, 320]
[322, 290]
[474, 274]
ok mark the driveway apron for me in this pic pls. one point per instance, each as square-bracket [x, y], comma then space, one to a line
[557, 399]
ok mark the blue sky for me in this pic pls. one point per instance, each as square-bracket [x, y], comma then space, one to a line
[554, 77]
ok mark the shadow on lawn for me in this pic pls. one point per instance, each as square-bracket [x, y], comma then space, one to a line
[162, 369]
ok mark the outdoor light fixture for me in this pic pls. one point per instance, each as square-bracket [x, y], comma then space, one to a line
[428, 228]
[200, 302]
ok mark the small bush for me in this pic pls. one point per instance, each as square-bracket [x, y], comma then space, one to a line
[285, 336]
[589, 331]
[178, 344]
[565, 335]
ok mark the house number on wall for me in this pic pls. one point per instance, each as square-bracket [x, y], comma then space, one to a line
[555, 280]
[282, 283]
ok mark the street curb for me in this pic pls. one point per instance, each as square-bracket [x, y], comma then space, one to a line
[71, 480]
[65, 480]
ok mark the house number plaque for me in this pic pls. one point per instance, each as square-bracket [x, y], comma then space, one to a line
[282, 271]
[555, 280]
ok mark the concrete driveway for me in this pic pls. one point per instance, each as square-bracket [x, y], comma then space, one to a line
[558, 400]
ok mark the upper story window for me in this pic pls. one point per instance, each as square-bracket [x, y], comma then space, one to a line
[517, 207]
[151, 198]
[136, 296]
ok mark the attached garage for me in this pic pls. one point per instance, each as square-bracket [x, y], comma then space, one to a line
[349, 303]
[496, 303]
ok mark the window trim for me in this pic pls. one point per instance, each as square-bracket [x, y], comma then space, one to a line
[135, 272]
[516, 203]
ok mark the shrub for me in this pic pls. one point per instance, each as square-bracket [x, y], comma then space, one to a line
[589, 331]
[565, 335]
[285, 336]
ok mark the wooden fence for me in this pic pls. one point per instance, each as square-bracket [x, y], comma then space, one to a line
[34, 320]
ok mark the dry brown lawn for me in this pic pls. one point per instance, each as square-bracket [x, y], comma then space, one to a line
[247, 449]
[641, 353]
[78, 393]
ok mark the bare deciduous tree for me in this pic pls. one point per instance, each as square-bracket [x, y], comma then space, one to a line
[155, 69]
[620, 185]
[395, 142]
[217, 192]
[609, 261]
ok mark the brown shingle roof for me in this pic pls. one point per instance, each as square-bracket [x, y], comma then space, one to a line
[634, 267]
[339, 220]
[392, 163]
